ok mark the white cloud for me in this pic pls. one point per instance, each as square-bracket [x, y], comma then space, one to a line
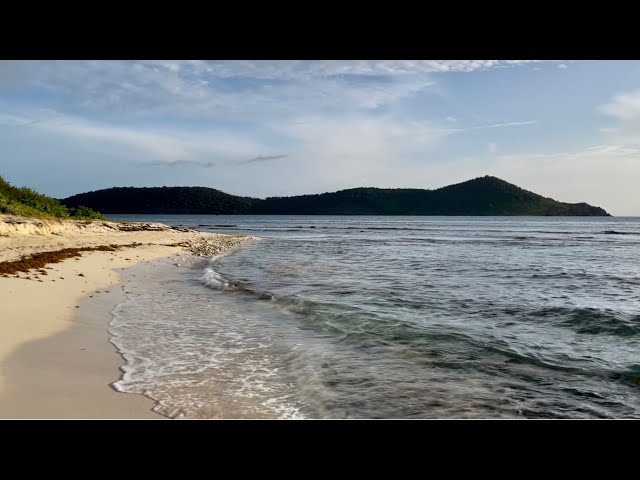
[178, 163]
[506, 124]
[332, 153]
[597, 151]
[265, 158]
[563, 66]
[234, 89]
[159, 146]
[625, 109]
[624, 106]
[9, 120]
[305, 69]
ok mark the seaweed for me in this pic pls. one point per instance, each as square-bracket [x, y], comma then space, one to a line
[41, 259]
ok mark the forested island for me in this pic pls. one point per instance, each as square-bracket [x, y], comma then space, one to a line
[481, 196]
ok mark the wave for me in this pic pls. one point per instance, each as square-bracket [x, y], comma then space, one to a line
[504, 235]
[213, 279]
[593, 322]
[348, 319]
[580, 320]
[443, 347]
[210, 225]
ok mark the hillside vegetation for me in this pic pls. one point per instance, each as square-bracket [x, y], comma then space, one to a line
[481, 196]
[191, 200]
[29, 203]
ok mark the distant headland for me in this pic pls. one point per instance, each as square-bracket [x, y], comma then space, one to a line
[480, 196]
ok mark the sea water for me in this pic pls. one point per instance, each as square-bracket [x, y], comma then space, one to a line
[392, 317]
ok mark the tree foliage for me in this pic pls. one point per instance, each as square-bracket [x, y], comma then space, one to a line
[29, 203]
[189, 200]
[481, 196]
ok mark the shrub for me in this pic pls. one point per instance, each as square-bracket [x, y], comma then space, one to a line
[28, 203]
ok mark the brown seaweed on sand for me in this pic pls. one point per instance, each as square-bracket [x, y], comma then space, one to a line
[40, 260]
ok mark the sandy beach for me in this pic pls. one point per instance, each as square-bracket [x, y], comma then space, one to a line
[56, 360]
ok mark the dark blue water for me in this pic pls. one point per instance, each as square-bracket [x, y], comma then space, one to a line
[399, 317]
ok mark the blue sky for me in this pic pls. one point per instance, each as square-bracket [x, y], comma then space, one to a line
[569, 130]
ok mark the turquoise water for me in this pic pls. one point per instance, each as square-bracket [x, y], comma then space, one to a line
[395, 317]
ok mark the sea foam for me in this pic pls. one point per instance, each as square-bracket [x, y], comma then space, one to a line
[213, 279]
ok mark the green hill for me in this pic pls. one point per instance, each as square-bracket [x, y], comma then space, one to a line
[192, 200]
[29, 203]
[481, 196]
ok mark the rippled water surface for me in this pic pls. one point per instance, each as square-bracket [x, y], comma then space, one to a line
[393, 317]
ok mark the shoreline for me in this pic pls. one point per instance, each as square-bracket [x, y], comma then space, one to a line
[57, 359]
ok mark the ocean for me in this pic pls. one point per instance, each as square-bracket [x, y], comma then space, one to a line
[392, 317]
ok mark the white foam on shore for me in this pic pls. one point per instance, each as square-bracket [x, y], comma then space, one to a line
[196, 352]
[213, 279]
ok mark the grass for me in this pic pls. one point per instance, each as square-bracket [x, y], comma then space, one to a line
[27, 202]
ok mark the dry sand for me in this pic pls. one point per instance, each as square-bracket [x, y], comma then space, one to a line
[55, 357]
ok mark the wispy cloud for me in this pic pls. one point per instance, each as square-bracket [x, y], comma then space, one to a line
[305, 69]
[625, 109]
[507, 124]
[340, 152]
[161, 147]
[234, 89]
[8, 120]
[596, 151]
[264, 158]
[177, 163]
[623, 106]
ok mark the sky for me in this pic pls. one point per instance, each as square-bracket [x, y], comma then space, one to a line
[569, 130]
